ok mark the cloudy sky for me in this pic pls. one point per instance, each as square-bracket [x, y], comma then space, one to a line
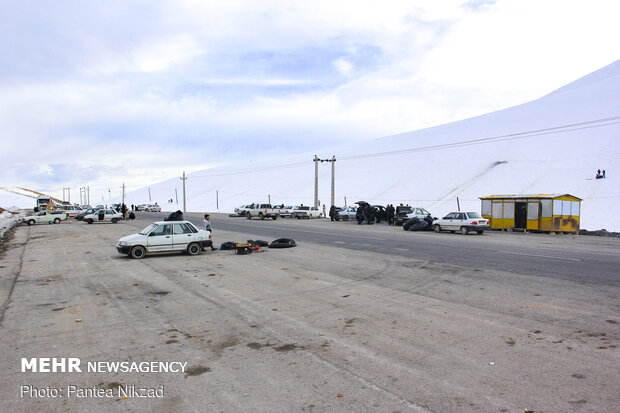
[103, 92]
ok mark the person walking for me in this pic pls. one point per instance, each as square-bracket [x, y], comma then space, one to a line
[332, 213]
[206, 225]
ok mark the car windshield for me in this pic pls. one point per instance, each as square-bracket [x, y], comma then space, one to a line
[148, 229]
[474, 215]
[404, 210]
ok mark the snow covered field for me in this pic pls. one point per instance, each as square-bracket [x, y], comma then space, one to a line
[554, 144]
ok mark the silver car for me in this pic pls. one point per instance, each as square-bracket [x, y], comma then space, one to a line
[463, 222]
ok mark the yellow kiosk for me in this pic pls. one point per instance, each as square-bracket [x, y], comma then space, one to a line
[545, 213]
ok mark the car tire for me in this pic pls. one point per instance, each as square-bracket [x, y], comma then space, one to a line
[137, 252]
[437, 228]
[90, 221]
[464, 230]
[479, 232]
[57, 221]
[249, 215]
[31, 222]
[261, 216]
[193, 248]
[114, 220]
[275, 217]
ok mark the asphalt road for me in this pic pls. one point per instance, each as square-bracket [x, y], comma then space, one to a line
[570, 257]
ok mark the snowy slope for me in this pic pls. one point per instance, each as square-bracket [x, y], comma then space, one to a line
[551, 145]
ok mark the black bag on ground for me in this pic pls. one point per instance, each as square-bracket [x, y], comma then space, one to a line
[228, 245]
[258, 242]
[410, 222]
[282, 243]
[175, 216]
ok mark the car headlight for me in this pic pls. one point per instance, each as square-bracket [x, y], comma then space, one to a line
[122, 243]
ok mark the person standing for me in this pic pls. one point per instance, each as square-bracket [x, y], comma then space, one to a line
[332, 212]
[206, 225]
[325, 211]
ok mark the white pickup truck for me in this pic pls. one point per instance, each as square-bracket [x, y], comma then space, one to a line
[262, 211]
[45, 217]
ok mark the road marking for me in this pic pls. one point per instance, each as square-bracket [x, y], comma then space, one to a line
[402, 249]
[339, 242]
[540, 256]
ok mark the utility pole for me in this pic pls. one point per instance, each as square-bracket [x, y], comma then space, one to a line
[150, 194]
[123, 202]
[176, 195]
[69, 195]
[87, 199]
[316, 178]
[217, 199]
[316, 181]
[183, 178]
[333, 161]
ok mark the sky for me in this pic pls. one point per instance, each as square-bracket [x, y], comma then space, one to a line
[99, 94]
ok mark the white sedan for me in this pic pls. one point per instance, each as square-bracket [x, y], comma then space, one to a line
[165, 236]
[152, 208]
[306, 212]
[461, 221]
[103, 215]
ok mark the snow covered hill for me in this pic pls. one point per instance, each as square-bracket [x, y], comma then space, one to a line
[551, 145]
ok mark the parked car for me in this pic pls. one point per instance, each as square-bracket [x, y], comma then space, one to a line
[81, 215]
[103, 215]
[152, 208]
[461, 221]
[404, 213]
[72, 210]
[306, 212]
[45, 217]
[242, 210]
[85, 207]
[165, 236]
[141, 207]
[346, 213]
[262, 211]
[286, 211]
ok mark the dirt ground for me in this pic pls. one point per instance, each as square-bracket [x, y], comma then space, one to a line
[311, 328]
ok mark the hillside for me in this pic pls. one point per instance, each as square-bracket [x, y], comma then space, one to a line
[553, 144]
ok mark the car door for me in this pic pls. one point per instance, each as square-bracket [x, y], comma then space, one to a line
[101, 214]
[448, 221]
[459, 220]
[160, 239]
[182, 235]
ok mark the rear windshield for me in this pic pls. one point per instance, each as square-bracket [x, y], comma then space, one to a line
[474, 215]
[404, 210]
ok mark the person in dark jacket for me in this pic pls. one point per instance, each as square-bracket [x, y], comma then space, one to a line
[390, 214]
[359, 214]
[370, 214]
[332, 212]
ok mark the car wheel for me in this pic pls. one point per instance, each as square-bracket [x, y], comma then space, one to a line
[137, 252]
[436, 228]
[57, 221]
[249, 216]
[31, 222]
[114, 220]
[193, 248]
[464, 230]
[90, 221]
[261, 216]
[479, 232]
[275, 217]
